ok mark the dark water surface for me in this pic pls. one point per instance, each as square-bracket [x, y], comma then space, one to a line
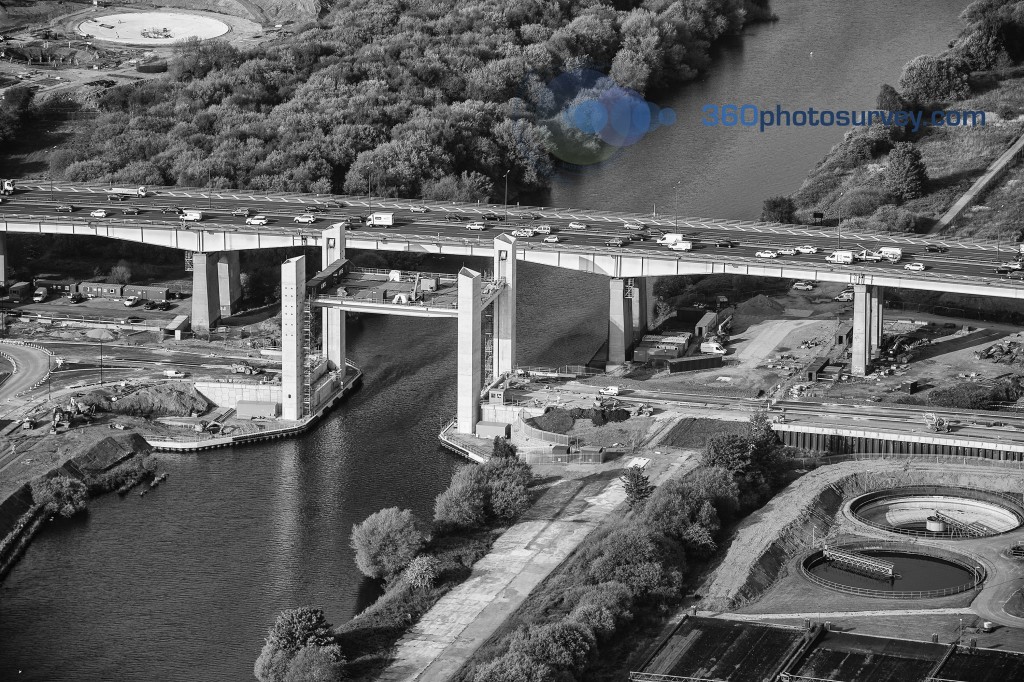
[182, 584]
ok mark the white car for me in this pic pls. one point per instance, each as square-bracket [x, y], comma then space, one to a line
[787, 251]
[99, 213]
[131, 301]
[542, 229]
[577, 226]
[803, 286]
[634, 226]
[257, 220]
[419, 209]
[917, 267]
[766, 254]
[807, 248]
[522, 233]
[1012, 265]
[551, 239]
[307, 218]
[476, 226]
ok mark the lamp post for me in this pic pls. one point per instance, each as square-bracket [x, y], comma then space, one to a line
[839, 222]
[209, 188]
[675, 208]
[506, 193]
[48, 369]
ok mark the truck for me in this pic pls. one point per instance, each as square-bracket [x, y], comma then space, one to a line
[130, 191]
[867, 255]
[192, 216]
[382, 219]
[681, 246]
[244, 368]
[20, 292]
[7, 187]
[712, 347]
[670, 238]
[840, 257]
[40, 295]
[892, 253]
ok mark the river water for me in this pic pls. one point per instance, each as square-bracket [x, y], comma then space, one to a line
[181, 585]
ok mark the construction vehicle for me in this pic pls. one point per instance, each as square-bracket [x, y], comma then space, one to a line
[936, 423]
[244, 368]
[893, 253]
[7, 187]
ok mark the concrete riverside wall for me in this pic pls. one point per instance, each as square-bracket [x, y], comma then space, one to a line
[844, 441]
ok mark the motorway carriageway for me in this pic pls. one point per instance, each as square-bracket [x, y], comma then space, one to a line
[965, 259]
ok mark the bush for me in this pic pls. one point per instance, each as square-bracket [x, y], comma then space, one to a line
[515, 470]
[617, 415]
[422, 572]
[508, 499]
[564, 646]
[778, 210]
[637, 485]
[928, 79]
[895, 219]
[464, 504]
[598, 418]
[60, 495]
[317, 664]
[503, 448]
[603, 608]
[905, 176]
[862, 201]
[514, 668]
[385, 542]
[293, 630]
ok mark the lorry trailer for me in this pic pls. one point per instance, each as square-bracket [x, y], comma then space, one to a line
[130, 191]
[20, 292]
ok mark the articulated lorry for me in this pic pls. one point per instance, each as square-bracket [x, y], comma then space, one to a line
[131, 191]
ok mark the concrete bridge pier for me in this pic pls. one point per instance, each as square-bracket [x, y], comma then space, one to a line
[293, 295]
[469, 351]
[332, 320]
[504, 353]
[620, 323]
[867, 327]
[229, 276]
[3, 259]
[206, 310]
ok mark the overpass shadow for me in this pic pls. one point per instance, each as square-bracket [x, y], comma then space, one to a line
[976, 338]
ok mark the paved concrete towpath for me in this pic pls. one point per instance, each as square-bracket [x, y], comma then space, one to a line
[447, 635]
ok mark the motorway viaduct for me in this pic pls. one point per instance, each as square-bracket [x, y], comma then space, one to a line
[966, 266]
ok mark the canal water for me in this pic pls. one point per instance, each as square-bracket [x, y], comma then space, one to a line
[181, 585]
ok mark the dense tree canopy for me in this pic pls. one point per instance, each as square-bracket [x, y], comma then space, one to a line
[421, 98]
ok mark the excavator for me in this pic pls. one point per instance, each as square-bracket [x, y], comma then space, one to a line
[936, 423]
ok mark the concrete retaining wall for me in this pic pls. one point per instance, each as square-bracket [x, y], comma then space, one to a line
[226, 394]
[836, 441]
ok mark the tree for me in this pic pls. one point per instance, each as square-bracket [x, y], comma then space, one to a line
[293, 630]
[778, 210]
[508, 499]
[503, 448]
[514, 668]
[928, 79]
[637, 485]
[905, 176]
[463, 505]
[385, 542]
[889, 99]
[422, 572]
[564, 645]
[121, 273]
[60, 495]
[316, 664]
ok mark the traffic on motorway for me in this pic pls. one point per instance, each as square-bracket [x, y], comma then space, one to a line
[541, 227]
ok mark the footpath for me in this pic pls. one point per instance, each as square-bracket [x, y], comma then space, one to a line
[447, 635]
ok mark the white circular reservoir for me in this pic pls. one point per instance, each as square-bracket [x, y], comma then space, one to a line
[939, 511]
[152, 28]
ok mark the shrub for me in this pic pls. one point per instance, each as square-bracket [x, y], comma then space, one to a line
[508, 498]
[293, 630]
[889, 99]
[928, 79]
[514, 668]
[637, 485]
[565, 645]
[895, 219]
[503, 448]
[316, 664]
[603, 607]
[862, 201]
[386, 542]
[778, 210]
[422, 572]
[464, 504]
[515, 470]
[60, 495]
[598, 418]
[905, 176]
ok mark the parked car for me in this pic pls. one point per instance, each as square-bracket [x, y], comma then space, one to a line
[131, 301]
[172, 209]
[915, 266]
[131, 210]
[532, 216]
[454, 218]
[241, 212]
[844, 296]
[476, 226]
[551, 239]
[726, 243]
[75, 297]
[766, 254]
[786, 251]
[807, 248]
[150, 305]
[936, 248]
[257, 220]
[803, 285]
[576, 225]
[1012, 265]
[64, 208]
[99, 213]
[163, 305]
[542, 229]
[637, 237]
[131, 320]
[306, 218]
[419, 209]
[654, 232]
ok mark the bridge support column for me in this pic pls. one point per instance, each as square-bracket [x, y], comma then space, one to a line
[877, 314]
[205, 291]
[504, 353]
[863, 308]
[332, 320]
[293, 294]
[640, 308]
[3, 259]
[620, 323]
[470, 351]
[229, 276]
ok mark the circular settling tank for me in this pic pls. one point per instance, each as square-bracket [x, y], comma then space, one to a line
[152, 28]
[939, 512]
[895, 572]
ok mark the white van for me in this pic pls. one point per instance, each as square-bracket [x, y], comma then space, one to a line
[712, 347]
[192, 216]
[610, 390]
[840, 257]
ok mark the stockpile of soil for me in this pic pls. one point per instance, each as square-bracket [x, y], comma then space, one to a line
[758, 306]
[152, 401]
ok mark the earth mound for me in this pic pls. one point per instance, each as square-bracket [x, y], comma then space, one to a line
[152, 401]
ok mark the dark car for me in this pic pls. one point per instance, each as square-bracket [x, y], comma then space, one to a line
[454, 218]
[117, 197]
[637, 236]
[935, 248]
[313, 208]
[492, 216]
[150, 305]
[172, 209]
[64, 208]
[334, 204]
[131, 320]
[131, 210]
[163, 305]
[76, 298]
[726, 243]
[653, 232]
